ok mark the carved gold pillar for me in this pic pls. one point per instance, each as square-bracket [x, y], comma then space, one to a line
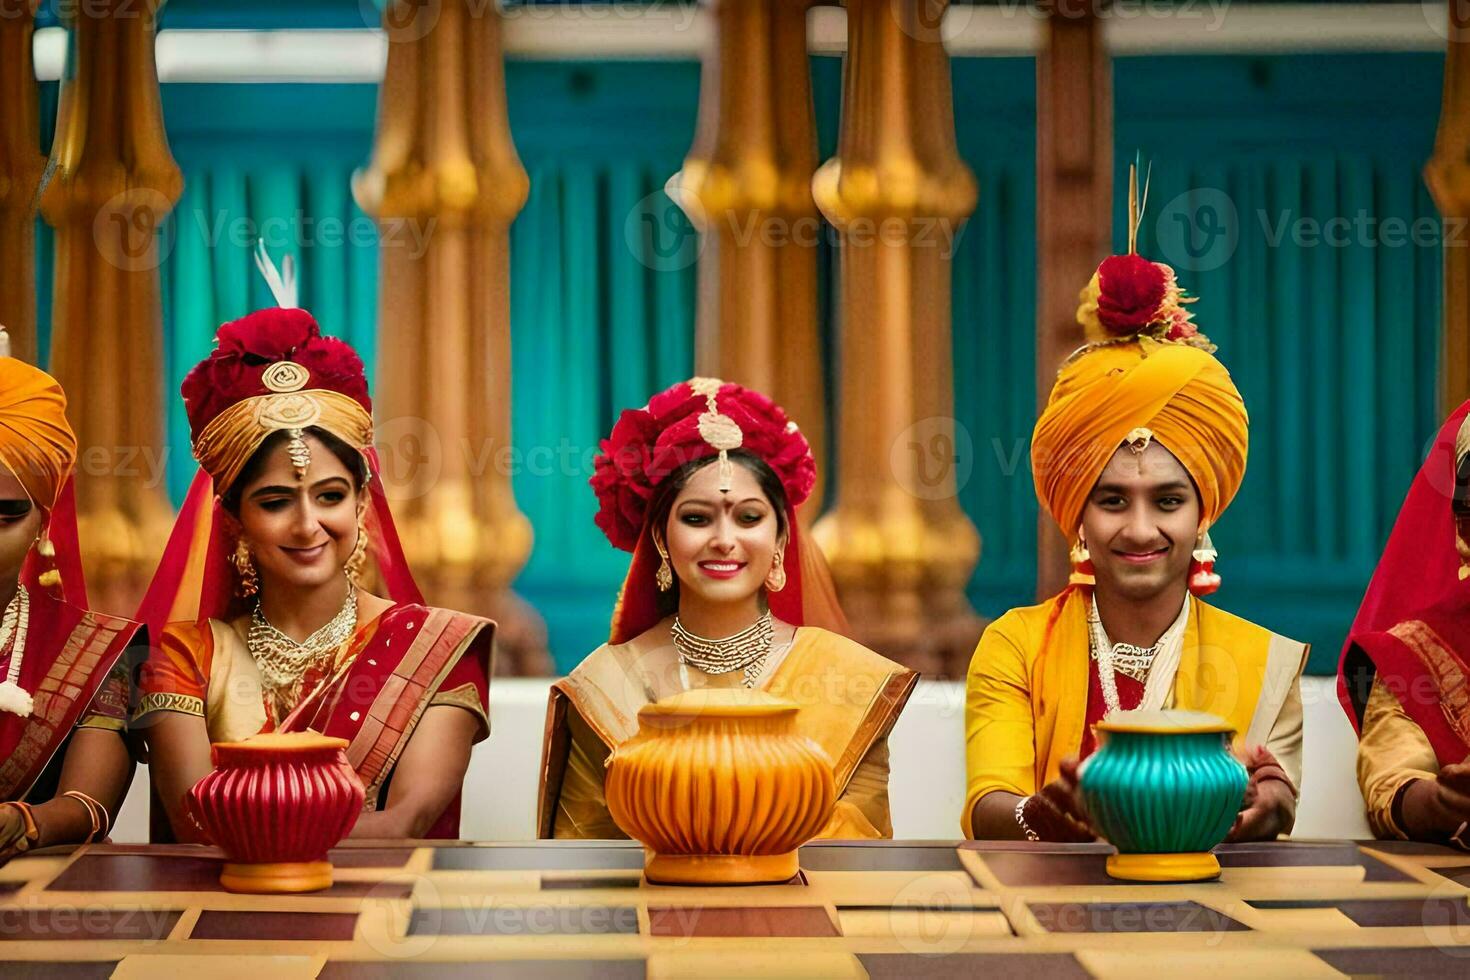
[444, 185]
[900, 547]
[1448, 176]
[114, 183]
[1074, 188]
[21, 166]
[746, 185]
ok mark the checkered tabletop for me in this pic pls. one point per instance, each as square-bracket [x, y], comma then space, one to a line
[883, 909]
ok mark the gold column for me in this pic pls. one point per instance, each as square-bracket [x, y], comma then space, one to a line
[444, 184]
[1074, 187]
[1448, 177]
[21, 166]
[746, 185]
[900, 547]
[114, 183]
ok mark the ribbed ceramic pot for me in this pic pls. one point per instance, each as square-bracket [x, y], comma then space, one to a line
[720, 787]
[1163, 788]
[276, 803]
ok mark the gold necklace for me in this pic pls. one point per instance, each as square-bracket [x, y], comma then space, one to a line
[283, 662]
[746, 650]
[14, 698]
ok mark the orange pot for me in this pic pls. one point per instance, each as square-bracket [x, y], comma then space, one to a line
[720, 787]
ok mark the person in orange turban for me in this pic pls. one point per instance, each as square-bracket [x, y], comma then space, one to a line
[1141, 448]
[65, 767]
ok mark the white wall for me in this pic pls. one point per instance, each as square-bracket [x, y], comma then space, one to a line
[926, 788]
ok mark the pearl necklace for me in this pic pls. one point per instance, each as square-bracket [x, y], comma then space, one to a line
[1127, 659]
[13, 626]
[283, 662]
[746, 650]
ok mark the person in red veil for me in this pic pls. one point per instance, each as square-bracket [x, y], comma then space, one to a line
[1403, 674]
[64, 764]
[267, 602]
[702, 486]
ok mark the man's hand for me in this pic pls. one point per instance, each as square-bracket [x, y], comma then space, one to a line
[1057, 813]
[1269, 807]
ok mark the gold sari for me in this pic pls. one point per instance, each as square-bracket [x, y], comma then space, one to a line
[849, 699]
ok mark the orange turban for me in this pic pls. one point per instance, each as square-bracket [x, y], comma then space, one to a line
[36, 442]
[1182, 394]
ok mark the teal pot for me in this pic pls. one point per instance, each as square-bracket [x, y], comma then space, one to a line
[1163, 788]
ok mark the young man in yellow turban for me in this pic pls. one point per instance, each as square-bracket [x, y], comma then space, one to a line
[64, 767]
[1140, 449]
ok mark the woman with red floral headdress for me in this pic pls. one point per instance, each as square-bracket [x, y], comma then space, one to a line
[265, 587]
[64, 766]
[1404, 668]
[702, 487]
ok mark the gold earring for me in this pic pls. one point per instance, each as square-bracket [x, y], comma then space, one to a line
[776, 577]
[357, 561]
[51, 577]
[665, 574]
[1083, 572]
[244, 564]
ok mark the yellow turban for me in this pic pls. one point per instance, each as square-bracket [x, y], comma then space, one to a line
[1180, 393]
[36, 442]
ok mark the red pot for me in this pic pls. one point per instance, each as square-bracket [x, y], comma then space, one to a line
[276, 803]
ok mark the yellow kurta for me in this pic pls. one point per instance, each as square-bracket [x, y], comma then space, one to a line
[849, 698]
[1024, 714]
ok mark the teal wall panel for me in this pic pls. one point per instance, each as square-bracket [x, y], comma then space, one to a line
[1333, 346]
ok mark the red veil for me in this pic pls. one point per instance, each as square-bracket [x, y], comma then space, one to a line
[1417, 580]
[693, 420]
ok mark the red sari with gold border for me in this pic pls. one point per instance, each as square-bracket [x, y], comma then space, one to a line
[394, 668]
[73, 669]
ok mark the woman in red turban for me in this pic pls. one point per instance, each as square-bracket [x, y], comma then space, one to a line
[702, 486]
[270, 589]
[64, 767]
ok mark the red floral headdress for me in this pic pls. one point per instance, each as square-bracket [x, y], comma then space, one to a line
[244, 364]
[692, 420]
[1130, 297]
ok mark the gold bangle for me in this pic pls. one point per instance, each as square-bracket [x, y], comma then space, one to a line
[31, 834]
[96, 812]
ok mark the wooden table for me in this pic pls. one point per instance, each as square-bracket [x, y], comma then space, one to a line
[886, 909]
